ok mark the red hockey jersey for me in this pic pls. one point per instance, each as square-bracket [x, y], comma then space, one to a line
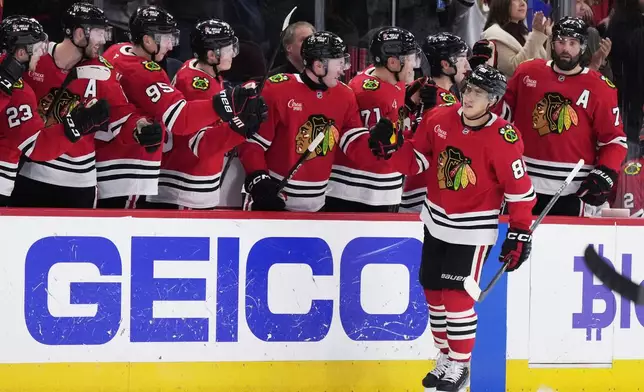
[415, 186]
[562, 119]
[191, 167]
[297, 114]
[22, 131]
[629, 192]
[470, 173]
[76, 167]
[378, 185]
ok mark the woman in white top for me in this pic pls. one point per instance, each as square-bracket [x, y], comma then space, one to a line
[514, 44]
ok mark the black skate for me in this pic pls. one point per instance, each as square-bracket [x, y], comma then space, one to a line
[431, 379]
[456, 378]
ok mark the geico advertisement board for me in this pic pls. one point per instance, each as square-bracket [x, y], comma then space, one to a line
[130, 290]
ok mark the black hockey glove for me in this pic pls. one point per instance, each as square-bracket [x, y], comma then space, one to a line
[482, 51]
[241, 108]
[86, 119]
[263, 189]
[11, 71]
[516, 248]
[596, 187]
[252, 115]
[428, 95]
[384, 139]
[148, 135]
[412, 89]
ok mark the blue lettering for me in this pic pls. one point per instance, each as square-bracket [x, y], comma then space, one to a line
[146, 289]
[227, 290]
[50, 330]
[268, 326]
[360, 325]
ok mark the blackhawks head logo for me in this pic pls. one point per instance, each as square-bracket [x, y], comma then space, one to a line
[553, 114]
[371, 84]
[633, 168]
[454, 170]
[308, 131]
[278, 78]
[448, 98]
[200, 83]
[151, 66]
[68, 101]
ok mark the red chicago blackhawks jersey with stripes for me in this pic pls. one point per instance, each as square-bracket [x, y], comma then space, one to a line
[192, 164]
[76, 167]
[378, 185]
[563, 118]
[470, 172]
[415, 186]
[297, 114]
[629, 192]
[23, 132]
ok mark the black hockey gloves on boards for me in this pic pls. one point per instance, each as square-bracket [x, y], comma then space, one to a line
[596, 187]
[86, 119]
[516, 248]
[148, 134]
[241, 108]
[384, 139]
[264, 191]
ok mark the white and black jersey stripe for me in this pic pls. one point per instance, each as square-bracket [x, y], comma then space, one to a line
[126, 177]
[171, 114]
[515, 198]
[65, 171]
[547, 176]
[8, 172]
[113, 130]
[265, 144]
[192, 191]
[412, 201]
[349, 136]
[361, 186]
[471, 228]
[303, 195]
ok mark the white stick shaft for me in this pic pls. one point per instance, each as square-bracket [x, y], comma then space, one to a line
[97, 72]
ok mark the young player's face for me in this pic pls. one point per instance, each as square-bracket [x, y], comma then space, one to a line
[462, 68]
[410, 61]
[476, 101]
[37, 51]
[226, 55]
[335, 70]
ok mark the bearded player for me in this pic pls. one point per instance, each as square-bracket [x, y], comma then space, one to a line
[567, 112]
[380, 92]
[474, 162]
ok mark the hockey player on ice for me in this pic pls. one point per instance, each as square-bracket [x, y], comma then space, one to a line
[69, 181]
[191, 167]
[447, 55]
[301, 107]
[154, 33]
[566, 112]
[22, 130]
[474, 162]
[380, 92]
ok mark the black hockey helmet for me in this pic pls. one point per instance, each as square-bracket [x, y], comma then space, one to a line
[323, 45]
[20, 31]
[212, 34]
[85, 16]
[443, 46]
[391, 42]
[571, 27]
[489, 79]
[152, 21]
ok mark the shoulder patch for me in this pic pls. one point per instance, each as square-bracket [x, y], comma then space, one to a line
[509, 134]
[105, 62]
[151, 66]
[448, 98]
[20, 84]
[633, 168]
[447, 104]
[278, 78]
[608, 82]
[200, 83]
[371, 84]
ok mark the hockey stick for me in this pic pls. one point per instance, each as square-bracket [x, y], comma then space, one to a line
[97, 72]
[318, 139]
[287, 22]
[470, 284]
[613, 279]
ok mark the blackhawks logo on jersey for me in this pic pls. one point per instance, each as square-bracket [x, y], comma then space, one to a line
[308, 131]
[200, 83]
[633, 168]
[151, 66]
[448, 98]
[68, 101]
[370, 84]
[509, 134]
[278, 78]
[105, 62]
[608, 82]
[553, 114]
[454, 170]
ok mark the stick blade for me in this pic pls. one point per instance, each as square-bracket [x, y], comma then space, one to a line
[287, 20]
[611, 278]
[472, 288]
[97, 72]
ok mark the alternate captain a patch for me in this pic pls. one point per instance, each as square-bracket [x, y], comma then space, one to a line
[200, 83]
[371, 84]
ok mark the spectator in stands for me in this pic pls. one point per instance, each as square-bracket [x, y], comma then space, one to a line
[506, 28]
[294, 35]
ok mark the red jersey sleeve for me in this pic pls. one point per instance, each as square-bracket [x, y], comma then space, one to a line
[251, 153]
[510, 170]
[354, 137]
[123, 115]
[608, 127]
[213, 140]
